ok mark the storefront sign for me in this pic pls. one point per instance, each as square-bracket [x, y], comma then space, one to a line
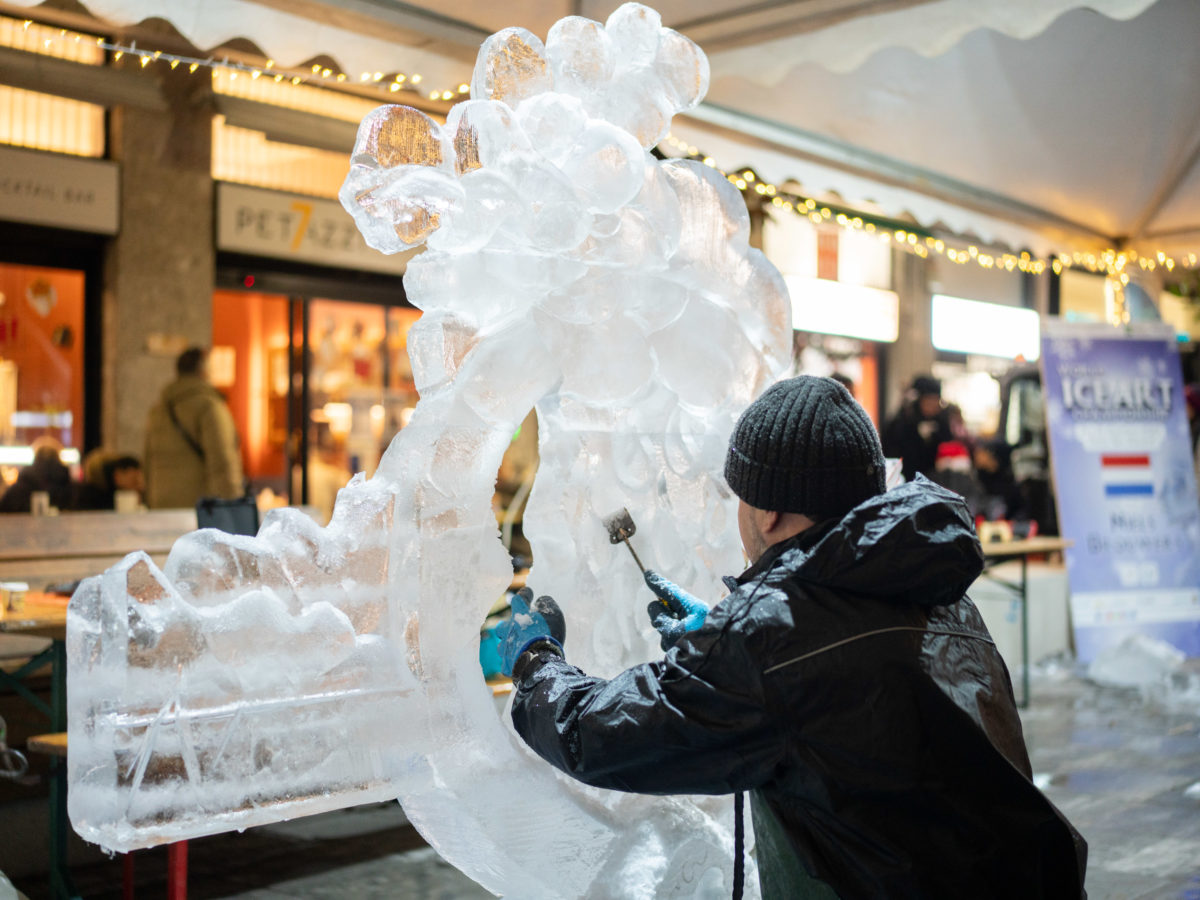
[821, 306]
[1124, 478]
[986, 329]
[258, 222]
[59, 191]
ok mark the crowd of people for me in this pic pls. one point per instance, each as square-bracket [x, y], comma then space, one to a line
[192, 451]
[105, 473]
[931, 439]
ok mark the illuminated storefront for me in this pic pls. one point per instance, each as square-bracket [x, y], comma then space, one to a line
[57, 204]
[982, 324]
[318, 387]
[843, 308]
[309, 342]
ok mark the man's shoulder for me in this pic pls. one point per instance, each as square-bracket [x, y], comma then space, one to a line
[772, 607]
[191, 390]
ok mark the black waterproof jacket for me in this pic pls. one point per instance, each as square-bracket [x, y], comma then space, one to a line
[849, 684]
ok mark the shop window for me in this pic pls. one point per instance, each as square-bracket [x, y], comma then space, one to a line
[43, 121]
[1181, 314]
[1083, 296]
[249, 365]
[358, 385]
[988, 329]
[41, 357]
[360, 390]
[854, 363]
[245, 156]
[303, 97]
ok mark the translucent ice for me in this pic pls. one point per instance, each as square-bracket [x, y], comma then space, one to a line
[564, 270]
[1138, 661]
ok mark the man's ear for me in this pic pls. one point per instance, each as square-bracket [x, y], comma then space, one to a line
[768, 521]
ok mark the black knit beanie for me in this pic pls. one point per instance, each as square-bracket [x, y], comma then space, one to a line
[805, 446]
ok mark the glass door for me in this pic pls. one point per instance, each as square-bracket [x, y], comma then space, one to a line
[249, 366]
[318, 388]
[360, 390]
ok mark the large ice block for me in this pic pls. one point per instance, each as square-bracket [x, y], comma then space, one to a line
[567, 271]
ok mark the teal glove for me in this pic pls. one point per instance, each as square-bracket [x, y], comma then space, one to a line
[489, 653]
[675, 612]
[541, 622]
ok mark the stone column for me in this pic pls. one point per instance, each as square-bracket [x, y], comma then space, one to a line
[758, 217]
[159, 271]
[913, 353]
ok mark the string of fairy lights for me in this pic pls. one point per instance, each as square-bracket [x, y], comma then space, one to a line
[1116, 264]
[316, 74]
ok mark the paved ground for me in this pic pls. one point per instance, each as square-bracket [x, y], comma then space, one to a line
[1118, 766]
[1127, 775]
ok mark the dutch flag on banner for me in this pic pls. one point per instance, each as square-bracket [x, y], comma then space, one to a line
[1127, 475]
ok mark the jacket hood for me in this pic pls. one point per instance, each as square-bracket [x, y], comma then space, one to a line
[186, 386]
[913, 544]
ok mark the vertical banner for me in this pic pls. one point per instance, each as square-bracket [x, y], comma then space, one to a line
[1125, 483]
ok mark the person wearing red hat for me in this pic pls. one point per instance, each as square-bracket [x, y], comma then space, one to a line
[954, 469]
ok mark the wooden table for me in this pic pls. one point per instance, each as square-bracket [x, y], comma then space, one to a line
[42, 615]
[45, 615]
[996, 552]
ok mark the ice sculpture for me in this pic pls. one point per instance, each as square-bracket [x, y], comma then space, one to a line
[307, 668]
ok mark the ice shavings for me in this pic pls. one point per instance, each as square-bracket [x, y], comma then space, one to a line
[565, 270]
[1138, 661]
[1159, 671]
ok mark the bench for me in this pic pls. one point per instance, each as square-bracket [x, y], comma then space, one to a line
[55, 746]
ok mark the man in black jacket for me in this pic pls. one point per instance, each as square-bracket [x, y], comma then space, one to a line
[846, 682]
[918, 428]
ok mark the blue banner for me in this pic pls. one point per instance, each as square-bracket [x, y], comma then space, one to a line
[1125, 483]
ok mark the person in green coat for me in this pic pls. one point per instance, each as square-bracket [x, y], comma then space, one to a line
[192, 447]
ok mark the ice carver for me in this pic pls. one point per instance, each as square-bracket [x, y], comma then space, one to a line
[846, 682]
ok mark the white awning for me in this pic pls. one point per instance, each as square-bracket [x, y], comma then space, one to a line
[1040, 124]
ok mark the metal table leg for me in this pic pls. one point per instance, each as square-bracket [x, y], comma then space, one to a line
[15, 681]
[61, 885]
[1024, 632]
[177, 870]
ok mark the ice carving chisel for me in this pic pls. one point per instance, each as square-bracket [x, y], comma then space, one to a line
[621, 528]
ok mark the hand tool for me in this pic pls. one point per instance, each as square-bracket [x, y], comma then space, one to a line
[621, 528]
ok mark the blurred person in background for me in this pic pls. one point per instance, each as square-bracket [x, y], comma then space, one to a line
[191, 441]
[45, 474]
[104, 473]
[920, 426]
[954, 469]
[958, 425]
[993, 468]
[845, 381]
